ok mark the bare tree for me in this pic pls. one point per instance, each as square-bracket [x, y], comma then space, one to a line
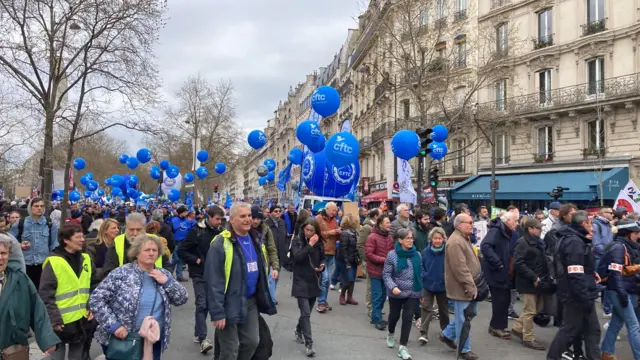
[82, 61]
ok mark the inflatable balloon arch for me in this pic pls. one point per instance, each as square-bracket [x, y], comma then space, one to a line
[125, 187]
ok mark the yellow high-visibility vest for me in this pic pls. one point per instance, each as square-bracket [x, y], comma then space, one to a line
[119, 244]
[72, 293]
[228, 256]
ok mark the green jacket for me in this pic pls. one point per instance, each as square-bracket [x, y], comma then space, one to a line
[21, 309]
[365, 231]
[420, 238]
[266, 236]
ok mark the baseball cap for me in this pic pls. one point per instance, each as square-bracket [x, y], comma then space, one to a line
[532, 223]
[256, 213]
[555, 205]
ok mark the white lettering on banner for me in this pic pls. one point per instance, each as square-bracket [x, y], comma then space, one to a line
[615, 267]
[575, 269]
[342, 147]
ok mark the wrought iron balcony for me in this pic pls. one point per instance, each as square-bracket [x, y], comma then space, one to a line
[382, 132]
[543, 157]
[542, 42]
[499, 3]
[460, 15]
[458, 169]
[460, 63]
[593, 152]
[365, 143]
[613, 89]
[594, 27]
[436, 65]
[381, 88]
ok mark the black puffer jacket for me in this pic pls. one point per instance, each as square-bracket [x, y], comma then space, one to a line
[575, 267]
[612, 260]
[196, 245]
[348, 250]
[306, 258]
[530, 264]
[279, 231]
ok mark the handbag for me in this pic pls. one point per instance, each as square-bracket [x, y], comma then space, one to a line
[129, 348]
[15, 352]
[481, 286]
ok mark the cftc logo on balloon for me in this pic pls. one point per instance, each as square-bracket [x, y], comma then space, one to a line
[344, 175]
[318, 97]
[169, 182]
[308, 167]
[341, 146]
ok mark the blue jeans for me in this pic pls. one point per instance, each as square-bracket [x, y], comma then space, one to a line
[273, 284]
[606, 303]
[622, 316]
[378, 296]
[329, 267]
[452, 331]
[175, 260]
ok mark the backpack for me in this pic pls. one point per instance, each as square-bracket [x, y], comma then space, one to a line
[21, 228]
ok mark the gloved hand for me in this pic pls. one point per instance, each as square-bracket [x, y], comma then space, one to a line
[624, 301]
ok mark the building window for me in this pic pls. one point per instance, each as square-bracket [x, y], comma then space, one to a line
[545, 144]
[461, 9]
[439, 9]
[424, 17]
[460, 151]
[545, 29]
[544, 81]
[461, 55]
[596, 21]
[502, 39]
[595, 132]
[595, 75]
[501, 94]
[460, 95]
[502, 149]
[406, 109]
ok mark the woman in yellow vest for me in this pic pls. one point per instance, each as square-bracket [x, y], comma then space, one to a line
[65, 285]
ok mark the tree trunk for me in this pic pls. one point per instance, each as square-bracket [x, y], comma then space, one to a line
[47, 154]
[67, 171]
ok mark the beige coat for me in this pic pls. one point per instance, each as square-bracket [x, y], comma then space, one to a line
[461, 265]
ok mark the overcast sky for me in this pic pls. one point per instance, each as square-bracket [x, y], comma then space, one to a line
[263, 47]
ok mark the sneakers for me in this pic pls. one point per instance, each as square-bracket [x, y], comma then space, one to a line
[391, 342]
[403, 353]
[310, 351]
[380, 326]
[196, 340]
[332, 287]
[534, 345]
[298, 336]
[418, 323]
[513, 315]
[322, 308]
[445, 340]
[606, 315]
[205, 346]
[423, 340]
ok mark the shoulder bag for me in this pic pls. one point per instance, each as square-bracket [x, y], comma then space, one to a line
[129, 348]
[15, 352]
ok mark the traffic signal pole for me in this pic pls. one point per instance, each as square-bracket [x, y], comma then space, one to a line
[420, 177]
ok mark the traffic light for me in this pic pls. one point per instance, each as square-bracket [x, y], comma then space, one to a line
[425, 140]
[433, 177]
[215, 188]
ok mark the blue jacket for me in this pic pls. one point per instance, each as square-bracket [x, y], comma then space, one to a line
[496, 251]
[433, 270]
[602, 235]
[37, 233]
[402, 280]
[181, 227]
[612, 259]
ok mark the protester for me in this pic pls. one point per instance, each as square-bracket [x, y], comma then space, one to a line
[308, 264]
[21, 306]
[402, 274]
[134, 226]
[238, 289]
[290, 218]
[402, 221]
[347, 257]
[98, 246]
[367, 226]
[434, 289]
[379, 244]
[330, 233]
[181, 225]
[279, 231]
[421, 228]
[602, 236]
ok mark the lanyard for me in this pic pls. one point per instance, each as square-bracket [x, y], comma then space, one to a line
[248, 250]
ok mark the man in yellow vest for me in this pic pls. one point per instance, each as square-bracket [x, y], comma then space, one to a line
[236, 271]
[67, 277]
[117, 254]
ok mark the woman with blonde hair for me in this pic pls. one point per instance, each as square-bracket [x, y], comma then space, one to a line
[348, 258]
[97, 246]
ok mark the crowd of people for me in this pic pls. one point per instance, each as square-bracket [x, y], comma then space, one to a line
[113, 275]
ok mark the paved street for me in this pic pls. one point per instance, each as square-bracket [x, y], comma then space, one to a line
[345, 333]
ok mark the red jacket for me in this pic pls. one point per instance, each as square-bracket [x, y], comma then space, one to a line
[376, 249]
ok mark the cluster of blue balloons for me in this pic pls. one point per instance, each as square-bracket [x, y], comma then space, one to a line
[266, 172]
[405, 144]
[143, 156]
[326, 179]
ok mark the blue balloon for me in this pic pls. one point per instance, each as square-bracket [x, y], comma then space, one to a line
[174, 195]
[133, 180]
[202, 155]
[438, 150]
[405, 144]
[325, 101]
[123, 159]
[270, 164]
[116, 192]
[74, 195]
[324, 179]
[89, 175]
[271, 176]
[92, 185]
[107, 181]
[87, 193]
[257, 139]
[342, 149]
[144, 155]
[262, 180]
[317, 145]
[308, 132]
[172, 172]
[188, 177]
[60, 193]
[117, 180]
[295, 156]
[79, 164]
[132, 163]
[439, 133]
[100, 192]
[155, 174]
[155, 167]
[202, 172]
[84, 180]
[221, 168]
[131, 192]
[164, 164]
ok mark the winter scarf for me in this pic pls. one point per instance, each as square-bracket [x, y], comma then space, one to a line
[437, 249]
[403, 256]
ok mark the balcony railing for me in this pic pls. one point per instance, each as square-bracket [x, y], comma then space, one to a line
[382, 132]
[594, 27]
[365, 142]
[542, 42]
[618, 88]
[381, 88]
[543, 157]
[460, 63]
[499, 3]
[503, 160]
[460, 15]
[593, 152]
[458, 169]
[370, 32]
